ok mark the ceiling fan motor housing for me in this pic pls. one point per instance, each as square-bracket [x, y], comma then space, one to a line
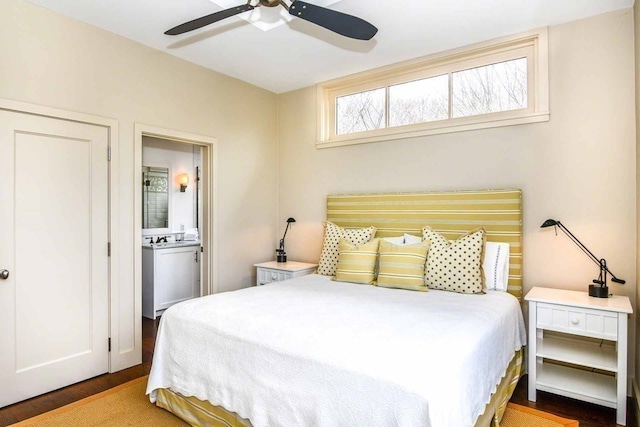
[270, 3]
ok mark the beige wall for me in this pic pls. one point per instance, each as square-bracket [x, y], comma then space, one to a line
[580, 167]
[636, 20]
[51, 60]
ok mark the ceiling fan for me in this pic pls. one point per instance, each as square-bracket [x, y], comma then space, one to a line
[338, 22]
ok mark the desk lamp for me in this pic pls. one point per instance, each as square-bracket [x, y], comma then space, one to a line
[282, 255]
[599, 289]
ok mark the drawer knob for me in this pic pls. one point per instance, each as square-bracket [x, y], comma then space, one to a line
[575, 321]
[274, 276]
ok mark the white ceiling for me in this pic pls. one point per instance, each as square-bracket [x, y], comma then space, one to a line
[299, 54]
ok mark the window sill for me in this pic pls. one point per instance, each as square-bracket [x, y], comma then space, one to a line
[433, 129]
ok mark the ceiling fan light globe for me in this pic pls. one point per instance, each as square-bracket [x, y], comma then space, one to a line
[269, 17]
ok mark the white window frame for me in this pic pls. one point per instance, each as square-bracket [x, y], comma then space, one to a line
[532, 44]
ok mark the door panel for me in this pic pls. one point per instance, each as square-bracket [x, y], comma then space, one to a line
[54, 228]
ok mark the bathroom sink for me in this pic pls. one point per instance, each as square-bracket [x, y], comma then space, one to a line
[172, 244]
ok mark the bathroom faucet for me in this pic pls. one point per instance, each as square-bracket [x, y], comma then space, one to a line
[161, 239]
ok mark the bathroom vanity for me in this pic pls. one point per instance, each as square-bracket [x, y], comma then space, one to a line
[170, 274]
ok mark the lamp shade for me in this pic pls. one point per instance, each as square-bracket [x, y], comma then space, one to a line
[549, 223]
[183, 180]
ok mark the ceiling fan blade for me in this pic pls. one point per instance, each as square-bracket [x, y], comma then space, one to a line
[338, 22]
[209, 19]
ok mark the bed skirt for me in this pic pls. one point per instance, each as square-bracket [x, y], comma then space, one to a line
[494, 410]
[199, 413]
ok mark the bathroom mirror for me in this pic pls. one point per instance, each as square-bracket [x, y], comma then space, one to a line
[155, 197]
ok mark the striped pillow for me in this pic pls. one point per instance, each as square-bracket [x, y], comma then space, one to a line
[455, 265]
[357, 264]
[402, 266]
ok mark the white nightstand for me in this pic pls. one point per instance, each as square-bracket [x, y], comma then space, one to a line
[571, 314]
[276, 271]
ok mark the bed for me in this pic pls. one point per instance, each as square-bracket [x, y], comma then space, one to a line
[312, 351]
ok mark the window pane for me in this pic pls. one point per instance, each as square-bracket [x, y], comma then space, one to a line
[419, 101]
[489, 89]
[360, 112]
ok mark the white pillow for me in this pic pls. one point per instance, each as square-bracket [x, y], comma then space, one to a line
[496, 266]
[398, 241]
[410, 239]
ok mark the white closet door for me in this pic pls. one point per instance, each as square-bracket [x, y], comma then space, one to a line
[53, 246]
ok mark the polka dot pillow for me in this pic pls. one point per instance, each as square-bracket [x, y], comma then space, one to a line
[332, 235]
[455, 265]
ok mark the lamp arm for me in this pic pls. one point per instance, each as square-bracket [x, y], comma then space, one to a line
[578, 243]
[601, 264]
[285, 235]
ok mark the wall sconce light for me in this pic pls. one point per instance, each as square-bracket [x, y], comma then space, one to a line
[282, 255]
[599, 289]
[183, 180]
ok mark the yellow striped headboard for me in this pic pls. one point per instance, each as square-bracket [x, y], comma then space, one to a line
[450, 213]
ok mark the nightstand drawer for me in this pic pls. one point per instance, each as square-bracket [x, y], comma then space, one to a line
[266, 275]
[271, 271]
[579, 321]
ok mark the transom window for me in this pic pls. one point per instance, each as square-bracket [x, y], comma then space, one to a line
[500, 83]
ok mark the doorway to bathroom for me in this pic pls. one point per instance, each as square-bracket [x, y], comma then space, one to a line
[175, 217]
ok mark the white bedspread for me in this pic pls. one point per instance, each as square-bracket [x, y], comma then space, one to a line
[312, 352]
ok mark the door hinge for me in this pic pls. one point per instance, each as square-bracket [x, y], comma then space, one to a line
[109, 249]
[109, 344]
[201, 248]
[109, 153]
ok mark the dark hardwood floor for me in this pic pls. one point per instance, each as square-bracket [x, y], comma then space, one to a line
[589, 415]
[38, 405]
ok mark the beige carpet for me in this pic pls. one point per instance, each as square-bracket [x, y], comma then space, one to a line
[127, 405]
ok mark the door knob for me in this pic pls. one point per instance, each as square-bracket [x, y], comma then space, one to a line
[4, 274]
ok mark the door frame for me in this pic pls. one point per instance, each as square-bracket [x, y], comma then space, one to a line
[209, 232]
[116, 360]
